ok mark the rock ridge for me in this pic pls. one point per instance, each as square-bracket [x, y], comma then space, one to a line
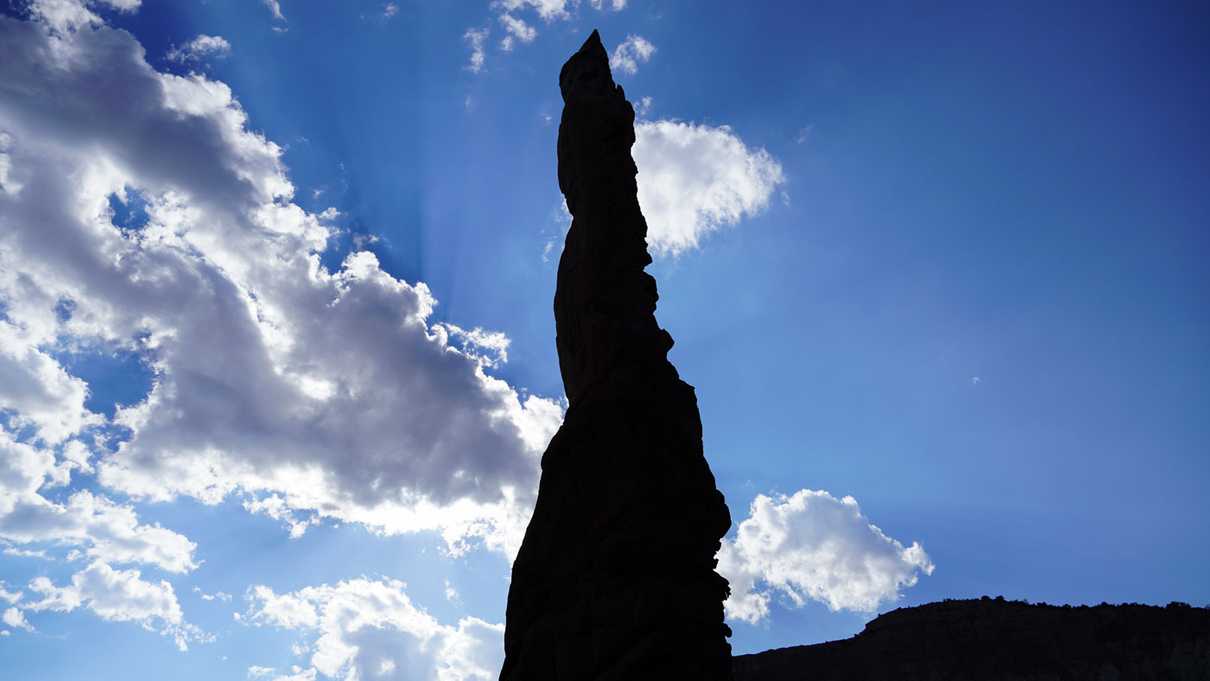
[997, 640]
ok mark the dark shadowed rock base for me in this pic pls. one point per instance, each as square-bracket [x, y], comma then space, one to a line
[615, 578]
[997, 640]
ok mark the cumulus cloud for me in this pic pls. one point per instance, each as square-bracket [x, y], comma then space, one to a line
[16, 619]
[550, 10]
[517, 29]
[489, 348]
[365, 629]
[631, 52]
[39, 554]
[811, 545]
[119, 596]
[6, 183]
[108, 531]
[308, 391]
[68, 15]
[644, 106]
[694, 179]
[200, 48]
[297, 674]
[9, 596]
[476, 38]
[277, 508]
[275, 8]
[547, 9]
[39, 392]
[216, 596]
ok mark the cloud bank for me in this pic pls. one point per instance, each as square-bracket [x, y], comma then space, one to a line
[273, 375]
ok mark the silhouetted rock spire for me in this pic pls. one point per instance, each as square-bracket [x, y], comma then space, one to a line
[615, 578]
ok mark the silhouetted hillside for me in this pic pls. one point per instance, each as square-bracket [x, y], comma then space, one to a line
[993, 639]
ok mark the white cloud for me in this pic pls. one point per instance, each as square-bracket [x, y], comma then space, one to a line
[67, 15]
[9, 596]
[547, 9]
[119, 596]
[273, 374]
[476, 38]
[201, 47]
[36, 387]
[276, 507]
[16, 619]
[7, 185]
[216, 596]
[644, 107]
[63, 15]
[287, 611]
[489, 348]
[77, 456]
[631, 52]
[109, 531]
[517, 29]
[366, 629]
[694, 179]
[26, 553]
[275, 7]
[256, 672]
[811, 545]
[390, 9]
[297, 674]
[116, 536]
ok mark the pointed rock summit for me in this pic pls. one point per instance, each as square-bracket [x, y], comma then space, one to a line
[616, 576]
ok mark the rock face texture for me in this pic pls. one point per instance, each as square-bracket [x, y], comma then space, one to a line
[997, 640]
[616, 576]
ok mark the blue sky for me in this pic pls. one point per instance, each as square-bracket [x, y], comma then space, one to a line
[276, 344]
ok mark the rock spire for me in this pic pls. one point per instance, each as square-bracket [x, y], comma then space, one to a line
[616, 576]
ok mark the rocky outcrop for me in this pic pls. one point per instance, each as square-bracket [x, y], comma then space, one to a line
[998, 640]
[616, 576]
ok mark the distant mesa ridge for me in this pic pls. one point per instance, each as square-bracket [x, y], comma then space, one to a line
[616, 576]
[998, 640]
